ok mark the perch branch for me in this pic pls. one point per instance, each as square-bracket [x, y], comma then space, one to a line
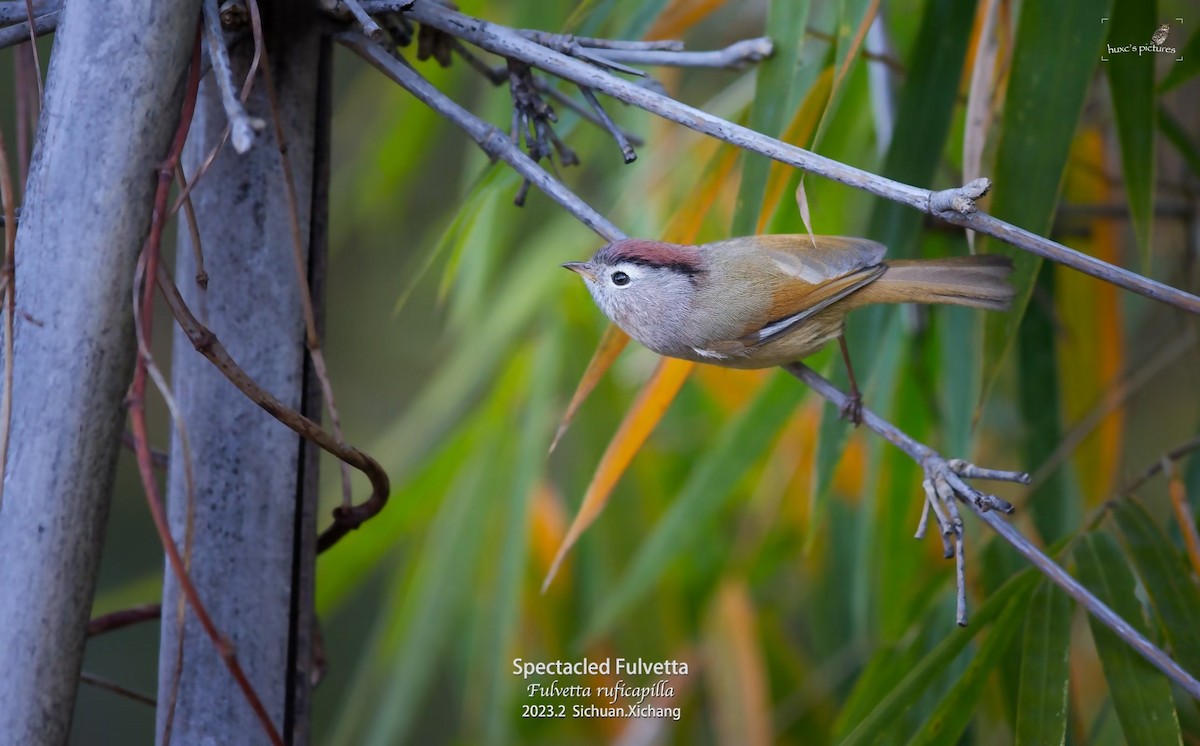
[510, 44]
[735, 56]
[944, 476]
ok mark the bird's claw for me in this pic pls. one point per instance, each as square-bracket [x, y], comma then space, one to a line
[852, 409]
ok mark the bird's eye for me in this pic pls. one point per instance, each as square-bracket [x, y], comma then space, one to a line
[620, 278]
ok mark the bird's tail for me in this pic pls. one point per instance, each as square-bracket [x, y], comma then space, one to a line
[979, 281]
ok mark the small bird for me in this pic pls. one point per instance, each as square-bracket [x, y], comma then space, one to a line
[762, 301]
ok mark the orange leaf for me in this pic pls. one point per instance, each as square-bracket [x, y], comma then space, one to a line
[611, 344]
[799, 131]
[639, 422]
[1091, 347]
[680, 16]
[736, 672]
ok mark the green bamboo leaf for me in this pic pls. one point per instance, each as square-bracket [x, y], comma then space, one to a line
[1166, 578]
[1042, 696]
[1179, 137]
[1038, 388]
[710, 484]
[923, 117]
[888, 713]
[774, 98]
[1186, 68]
[1140, 694]
[1057, 48]
[501, 625]
[1131, 81]
[952, 715]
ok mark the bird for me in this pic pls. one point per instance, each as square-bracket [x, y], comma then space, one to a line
[767, 300]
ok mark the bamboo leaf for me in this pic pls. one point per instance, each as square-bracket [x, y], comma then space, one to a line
[952, 715]
[1186, 68]
[1042, 696]
[1056, 50]
[1140, 694]
[610, 346]
[888, 713]
[709, 485]
[639, 422]
[1167, 580]
[772, 101]
[736, 673]
[1180, 138]
[1131, 81]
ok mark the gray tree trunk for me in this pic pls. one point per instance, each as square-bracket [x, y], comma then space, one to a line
[113, 95]
[253, 513]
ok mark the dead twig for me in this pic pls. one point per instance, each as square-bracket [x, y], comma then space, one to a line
[124, 618]
[242, 125]
[137, 411]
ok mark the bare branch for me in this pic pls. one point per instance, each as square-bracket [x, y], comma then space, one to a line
[510, 44]
[19, 33]
[493, 141]
[242, 125]
[735, 56]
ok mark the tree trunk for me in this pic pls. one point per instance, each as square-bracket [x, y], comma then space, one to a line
[253, 515]
[112, 101]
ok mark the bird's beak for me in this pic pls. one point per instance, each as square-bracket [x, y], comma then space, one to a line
[581, 268]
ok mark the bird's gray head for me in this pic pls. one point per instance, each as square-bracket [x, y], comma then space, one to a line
[645, 287]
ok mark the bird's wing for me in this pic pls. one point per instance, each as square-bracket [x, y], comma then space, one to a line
[812, 278]
[817, 259]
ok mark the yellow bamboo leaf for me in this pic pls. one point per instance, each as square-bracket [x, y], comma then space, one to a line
[799, 132]
[547, 525]
[611, 344]
[735, 671]
[639, 422]
[1091, 346]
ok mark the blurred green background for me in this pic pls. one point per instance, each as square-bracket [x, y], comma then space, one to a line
[753, 534]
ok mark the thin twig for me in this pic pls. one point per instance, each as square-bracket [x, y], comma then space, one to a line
[137, 410]
[159, 459]
[549, 39]
[103, 683]
[369, 27]
[1171, 456]
[37, 61]
[312, 338]
[735, 56]
[9, 282]
[23, 32]
[954, 206]
[242, 125]
[189, 212]
[608, 124]
[123, 618]
[207, 344]
[1115, 396]
[492, 140]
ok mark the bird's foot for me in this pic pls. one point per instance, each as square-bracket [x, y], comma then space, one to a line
[852, 409]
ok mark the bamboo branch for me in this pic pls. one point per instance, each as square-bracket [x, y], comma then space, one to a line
[511, 44]
[944, 477]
